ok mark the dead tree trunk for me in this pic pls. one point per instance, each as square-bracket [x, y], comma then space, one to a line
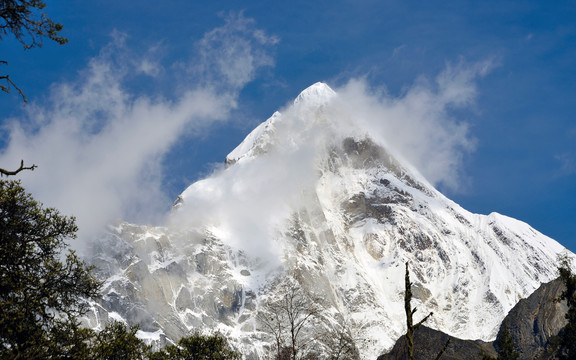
[410, 322]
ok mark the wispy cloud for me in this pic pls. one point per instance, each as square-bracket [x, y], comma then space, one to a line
[99, 146]
[567, 163]
[233, 52]
[246, 204]
[418, 125]
[398, 50]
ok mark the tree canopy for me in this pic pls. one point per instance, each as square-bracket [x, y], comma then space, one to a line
[44, 291]
[28, 23]
[198, 347]
[119, 342]
[41, 290]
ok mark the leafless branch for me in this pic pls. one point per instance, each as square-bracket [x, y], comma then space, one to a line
[22, 167]
[6, 89]
[422, 321]
[443, 350]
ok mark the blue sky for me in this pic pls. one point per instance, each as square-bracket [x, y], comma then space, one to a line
[522, 119]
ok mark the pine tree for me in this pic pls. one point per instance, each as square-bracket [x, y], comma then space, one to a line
[505, 346]
[567, 348]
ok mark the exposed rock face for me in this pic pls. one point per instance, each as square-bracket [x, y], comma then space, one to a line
[169, 286]
[533, 323]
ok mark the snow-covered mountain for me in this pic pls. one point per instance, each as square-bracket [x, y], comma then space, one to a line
[311, 196]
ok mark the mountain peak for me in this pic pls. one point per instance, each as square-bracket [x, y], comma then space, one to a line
[262, 137]
[316, 94]
[313, 200]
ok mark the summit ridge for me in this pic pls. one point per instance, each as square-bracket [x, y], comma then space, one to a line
[316, 94]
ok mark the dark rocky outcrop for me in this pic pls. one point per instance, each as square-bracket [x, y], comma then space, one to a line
[533, 323]
[429, 342]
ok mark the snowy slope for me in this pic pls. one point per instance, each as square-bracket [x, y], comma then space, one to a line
[310, 194]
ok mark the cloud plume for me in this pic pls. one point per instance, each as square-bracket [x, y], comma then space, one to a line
[419, 125]
[247, 203]
[99, 147]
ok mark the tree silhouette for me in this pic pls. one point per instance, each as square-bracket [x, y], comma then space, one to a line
[411, 327]
[41, 291]
[119, 342]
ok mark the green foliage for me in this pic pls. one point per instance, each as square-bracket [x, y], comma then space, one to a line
[40, 290]
[42, 295]
[567, 348]
[487, 357]
[198, 347]
[505, 344]
[119, 342]
[27, 22]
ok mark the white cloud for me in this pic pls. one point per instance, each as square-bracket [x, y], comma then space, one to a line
[234, 52]
[418, 125]
[245, 203]
[99, 147]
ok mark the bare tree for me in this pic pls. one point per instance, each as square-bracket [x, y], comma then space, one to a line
[300, 331]
[341, 344]
[273, 320]
[27, 22]
[287, 320]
